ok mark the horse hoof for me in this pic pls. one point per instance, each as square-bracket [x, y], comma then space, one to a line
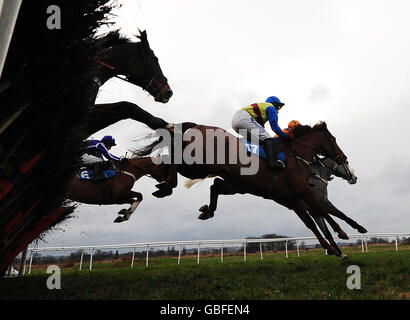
[122, 211]
[361, 229]
[161, 193]
[332, 252]
[204, 208]
[119, 219]
[206, 215]
[342, 235]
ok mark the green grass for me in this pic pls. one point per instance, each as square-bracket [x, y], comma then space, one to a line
[384, 275]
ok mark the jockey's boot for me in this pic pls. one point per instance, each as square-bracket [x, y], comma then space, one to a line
[273, 162]
[98, 173]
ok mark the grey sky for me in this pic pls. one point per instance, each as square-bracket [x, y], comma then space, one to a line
[345, 62]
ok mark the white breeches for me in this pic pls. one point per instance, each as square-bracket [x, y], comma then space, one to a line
[243, 120]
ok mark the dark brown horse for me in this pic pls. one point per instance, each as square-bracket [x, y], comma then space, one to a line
[117, 190]
[137, 63]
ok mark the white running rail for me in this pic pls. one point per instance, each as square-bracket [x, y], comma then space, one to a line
[206, 243]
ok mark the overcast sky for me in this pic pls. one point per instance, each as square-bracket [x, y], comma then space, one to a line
[344, 62]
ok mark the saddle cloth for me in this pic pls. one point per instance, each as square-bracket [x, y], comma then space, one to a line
[254, 148]
[88, 174]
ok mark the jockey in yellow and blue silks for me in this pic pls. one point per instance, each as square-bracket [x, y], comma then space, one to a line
[253, 119]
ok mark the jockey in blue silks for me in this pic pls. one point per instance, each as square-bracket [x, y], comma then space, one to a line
[96, 153]
[253, 118]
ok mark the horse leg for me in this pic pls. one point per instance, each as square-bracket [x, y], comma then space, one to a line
[320, 221]
[219, 187]
[308, 221]
[337, 213]
[103, 115]
[309, 198]
[134, 198]
[171, 181]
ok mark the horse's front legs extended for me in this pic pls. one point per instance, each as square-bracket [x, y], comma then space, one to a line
[320, 221]
[302, 213]
[337, 213]
[309, 198]
[134, 198]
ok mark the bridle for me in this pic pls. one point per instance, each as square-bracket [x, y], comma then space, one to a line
[333, 154]
[144, 84]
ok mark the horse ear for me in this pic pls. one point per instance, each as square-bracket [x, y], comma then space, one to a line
[143, 36]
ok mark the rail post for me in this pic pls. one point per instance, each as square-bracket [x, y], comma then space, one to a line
[179, 253]
[286, 248]
[222, 252]
[397, 242]
[31, 261]
[244, 251]
[23, 261]
[199, 247]
[146, 259]
[362, 244]
[91, 258]
[81, 259]
[260, 250]
[133, 256]
[365, 244]
[297, 248]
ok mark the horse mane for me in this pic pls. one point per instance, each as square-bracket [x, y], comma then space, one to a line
[113, 38]
[301, 130]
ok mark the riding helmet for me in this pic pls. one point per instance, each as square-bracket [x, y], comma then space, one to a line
[275, 101]
[108, 141]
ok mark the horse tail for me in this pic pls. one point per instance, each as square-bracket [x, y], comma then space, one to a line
[146, 150]
[190, 182]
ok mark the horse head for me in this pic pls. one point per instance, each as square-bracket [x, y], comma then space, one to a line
[343, 171]
[137, 62]
[329, 146]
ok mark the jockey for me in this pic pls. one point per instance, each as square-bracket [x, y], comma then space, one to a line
[253, 119]
[96, 151]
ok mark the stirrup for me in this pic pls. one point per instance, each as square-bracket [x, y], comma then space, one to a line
[278, 164]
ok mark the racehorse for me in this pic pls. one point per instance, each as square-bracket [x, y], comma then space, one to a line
[138, 63]
[289, 187]
[117, 190]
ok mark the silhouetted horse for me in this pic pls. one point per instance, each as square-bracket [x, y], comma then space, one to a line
[138, 63]
[321, 171]
[289, 187]
[117, 190]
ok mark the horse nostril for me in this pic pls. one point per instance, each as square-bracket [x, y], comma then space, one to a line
[168, 94]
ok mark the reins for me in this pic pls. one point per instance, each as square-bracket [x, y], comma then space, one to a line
[127, 76]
